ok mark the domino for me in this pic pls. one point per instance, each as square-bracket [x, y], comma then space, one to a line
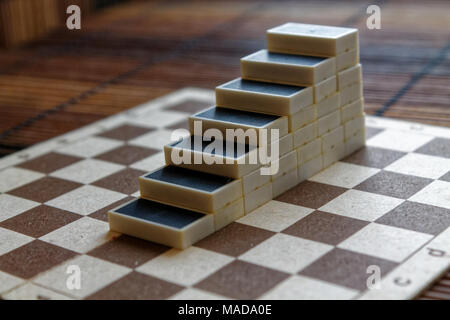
[347, 60]
[287, 68]
[352, 110]
[235, 163]
[228, 214]
[263, 97]
[333, 154]
[351, 127]
[285, 144]
[189, 189]
[254, 180]
[309, 151]
[328, 105]
[285, 182]
[258, 197]
[310, 168]
[224, 118]
[328, 122]
[311, 39]
[332, 139]
[351, 93]
[355, 142]
[305, 134]
[285, 164]
[349, 76]
[303, 117]
[324, 88]
[161, 223]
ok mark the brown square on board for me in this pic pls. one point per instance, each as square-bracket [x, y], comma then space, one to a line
[125, 132]
[325, 227]
[374, 157]
[346, 268]
[190, 106]
[44, 189]
[124, 181]
[242, 280]
[33, 258]
[393, 184]
[417, 217]
[128, 251]
[102, 214]
[311, 194]
[127, 154]
[49, 162]
[371, 131]
[183, 124]
[439, 147]
[234, 239]
[445, 177]
[137, 286]
[39, 221]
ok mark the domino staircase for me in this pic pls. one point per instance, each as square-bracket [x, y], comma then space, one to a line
[307, 85]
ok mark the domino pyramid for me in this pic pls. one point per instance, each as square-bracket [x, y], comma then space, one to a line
[308, 85]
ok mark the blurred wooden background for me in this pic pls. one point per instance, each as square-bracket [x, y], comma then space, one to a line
[134, 51]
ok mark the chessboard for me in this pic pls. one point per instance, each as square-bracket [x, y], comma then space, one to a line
[375, 225]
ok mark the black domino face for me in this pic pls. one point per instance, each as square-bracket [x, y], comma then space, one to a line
[292, 59]
[189, 178]
[229, 149]
[262, 87]
[251, 119]
[155, 212]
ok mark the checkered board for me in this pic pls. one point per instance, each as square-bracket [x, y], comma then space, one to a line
[385, 208]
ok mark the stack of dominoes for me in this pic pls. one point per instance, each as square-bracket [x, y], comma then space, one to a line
[307, 86]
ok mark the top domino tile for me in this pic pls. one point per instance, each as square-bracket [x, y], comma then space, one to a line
[309, 39]
[287, 68]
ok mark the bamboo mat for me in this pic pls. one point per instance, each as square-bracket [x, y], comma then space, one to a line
[133, 52]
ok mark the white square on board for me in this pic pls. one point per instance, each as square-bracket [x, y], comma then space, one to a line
[436, 194]
[11, 178]
[275, 216]
[286, 253]
[346, 175]
[10, 240]
[95, 274]
[385, 242]
[361, 205]
[90, 147]
[81, 236]
[11, 206]
[151, 163]
[86, 199]
[155, 139]
[303, 288]
[87, 171]
[421, 165]
[399, 140]
[161, 119]
[185, 267]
